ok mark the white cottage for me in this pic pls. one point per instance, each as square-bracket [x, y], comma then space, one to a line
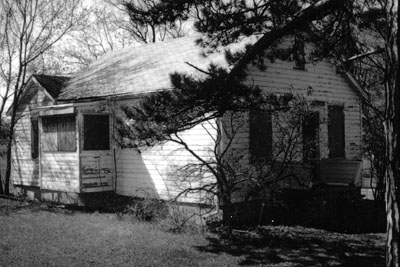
[65, 140]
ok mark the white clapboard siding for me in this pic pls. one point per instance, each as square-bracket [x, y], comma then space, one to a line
[25, 170]
[60, 171]
[152, 172]
[326, 86]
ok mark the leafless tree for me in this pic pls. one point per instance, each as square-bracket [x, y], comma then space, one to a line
[29, 29]
[103, 29]
[109, 26]
[377, 68]
[392, 131]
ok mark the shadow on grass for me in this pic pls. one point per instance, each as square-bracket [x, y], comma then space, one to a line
[298, 246]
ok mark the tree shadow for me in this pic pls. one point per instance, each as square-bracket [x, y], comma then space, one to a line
[299, 246]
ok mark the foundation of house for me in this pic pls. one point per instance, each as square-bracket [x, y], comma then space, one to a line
[34, 193]
[110, 202]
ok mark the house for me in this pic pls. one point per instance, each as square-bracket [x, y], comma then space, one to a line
[66, 145]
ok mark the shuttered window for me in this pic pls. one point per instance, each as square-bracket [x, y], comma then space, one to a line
[96, 132]
[310, 130]
[59, 133]
[336, 132]
[34, 138]
[260, 136]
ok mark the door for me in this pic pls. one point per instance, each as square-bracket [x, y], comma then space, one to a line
[97, 159]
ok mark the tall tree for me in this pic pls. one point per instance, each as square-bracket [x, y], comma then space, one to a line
[29, 28]
[374, 39]
[392, 131]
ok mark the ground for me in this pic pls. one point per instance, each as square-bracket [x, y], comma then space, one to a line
[39, 235]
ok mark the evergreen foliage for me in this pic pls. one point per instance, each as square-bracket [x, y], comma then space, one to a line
[191, 102]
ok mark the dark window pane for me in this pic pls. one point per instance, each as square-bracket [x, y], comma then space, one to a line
[260, 135]
[96, 132]
[34, 138]
[336, 132]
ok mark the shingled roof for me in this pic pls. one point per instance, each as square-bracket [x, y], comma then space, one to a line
[140, 69]
[147, 68]
[52, 84]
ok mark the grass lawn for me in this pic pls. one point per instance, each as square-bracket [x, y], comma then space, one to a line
[34, 235]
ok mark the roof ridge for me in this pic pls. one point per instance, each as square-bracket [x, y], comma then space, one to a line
[171, 40]
[145, 46]
[48, 75]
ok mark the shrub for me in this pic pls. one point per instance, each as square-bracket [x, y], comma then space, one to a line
[147, 209]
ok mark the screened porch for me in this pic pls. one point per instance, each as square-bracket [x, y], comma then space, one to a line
[74, 150]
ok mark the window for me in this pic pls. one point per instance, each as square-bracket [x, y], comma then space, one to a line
[96, 132]
[299, 54]
[34, 138]
[310, 129]
[59, 133]
[260, 135]
[336, 137]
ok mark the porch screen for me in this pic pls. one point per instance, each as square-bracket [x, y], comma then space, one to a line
[260, 135]
[96, 132]
[59, 133]
[336, 133]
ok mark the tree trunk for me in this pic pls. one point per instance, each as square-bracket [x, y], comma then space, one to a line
[8, 170]
[392, 194]
[392, 217]
[13, 121]
[1, 178]
[1, 186]
[392, 131]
